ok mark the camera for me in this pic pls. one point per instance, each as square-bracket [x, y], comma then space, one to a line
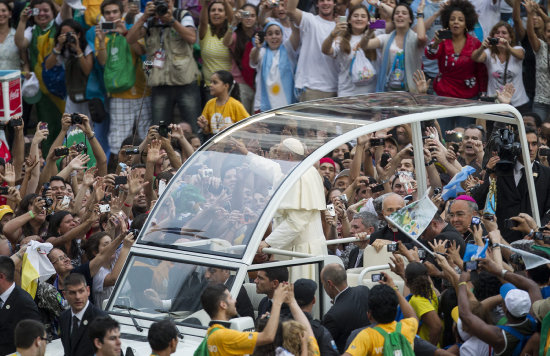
[48, 201]
[517, 261]
[60, 152]
[422, 254]
[273, 3]
[330, 209]
[163, 129]
[476, 220]
[470, 266]
[121, 180]
[70, 38]
[454, 137]
[377, 142]
[377, 188]
[81, 147]
[35, 12]
[343, 198]
[161, 7]
[391, 247]
[43, 126]
[107, 26]
[503, 142]
[544, 152]
[16, 122]
[104, 208]
[509, 223]
[493, 41]
[384, 159]
[4, 190]
[437, 191]
[76, 118]
[245, 14]
[261, 36]
[132, 151]
[135, 232]
[206, 172]
[377, 277]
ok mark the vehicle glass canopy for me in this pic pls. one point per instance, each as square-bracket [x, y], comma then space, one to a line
[216, 199]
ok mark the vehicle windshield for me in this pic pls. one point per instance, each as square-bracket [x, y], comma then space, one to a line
[157, 288]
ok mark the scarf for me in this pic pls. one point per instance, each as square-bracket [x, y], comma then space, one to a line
[284, 69]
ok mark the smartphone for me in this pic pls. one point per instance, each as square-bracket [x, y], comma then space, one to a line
[493, 41]
[347, 155]
[66, 201]
[509, 223]
[391, 247]
[377, 188]
[35, 11]
[470, 266]
[377, 142]
[261, 36]
[384, 159]
[107, 26]
[43, 126]
[121, 180]
[60, 152]
[104, 208]
[454, 137]
[378, 24]
[16, 122]
[377, 277]
[330, 209]
[342, 19]
[445, 34]
[421, 254]
[343, 198]
[245, 14]
[476, 220]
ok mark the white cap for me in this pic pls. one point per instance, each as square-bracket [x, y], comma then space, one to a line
[518, 302]
[76, 4]
[294, 146]
[30, 90]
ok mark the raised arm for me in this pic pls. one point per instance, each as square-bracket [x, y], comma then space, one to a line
[338, 30]
[99, 154]
[293, 11]
[20, 41]
[531, 34]
[479, 54]
[420, 26]
[518, 23]
[203, 19]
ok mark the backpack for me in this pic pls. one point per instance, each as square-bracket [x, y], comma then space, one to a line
[395, 344]
[202, 350]
[120, 70]
[361, 70]
[523, 338]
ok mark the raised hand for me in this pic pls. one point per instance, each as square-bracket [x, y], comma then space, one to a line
[9, 174]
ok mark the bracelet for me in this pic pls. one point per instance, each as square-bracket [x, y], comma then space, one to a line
[56, 52]
[463, 283]
[531, 233]
[91, 137]
[503, 272]
[79, 55]
[32, 214]
[127, 205]
[419, 15]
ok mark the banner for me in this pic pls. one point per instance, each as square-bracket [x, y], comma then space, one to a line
[453, 189]
[529, 259]
[36, 265]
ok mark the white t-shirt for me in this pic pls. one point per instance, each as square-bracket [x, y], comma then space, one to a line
[292, 56]
[474, 347]
[345, 86]
[315, 70]
[495, 70]
[488, 14]
[394, 49]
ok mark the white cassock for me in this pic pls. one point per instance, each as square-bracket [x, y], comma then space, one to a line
[297, 222]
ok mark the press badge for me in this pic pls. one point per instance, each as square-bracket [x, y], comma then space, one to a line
[160, 58]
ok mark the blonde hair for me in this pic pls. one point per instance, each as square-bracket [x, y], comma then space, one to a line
[293, 332]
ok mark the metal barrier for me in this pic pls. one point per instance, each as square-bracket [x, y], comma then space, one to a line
[346, 240]
[276, 251]
[370, 269]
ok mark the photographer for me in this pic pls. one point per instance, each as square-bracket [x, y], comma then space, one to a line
[169, 37]
[512, 195]
[72, 53]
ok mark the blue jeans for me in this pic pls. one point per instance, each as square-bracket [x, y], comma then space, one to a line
[187, 97]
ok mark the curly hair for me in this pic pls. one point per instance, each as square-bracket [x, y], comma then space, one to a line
[464, 6]
[418, 281]
[344, 43]
[293, 332]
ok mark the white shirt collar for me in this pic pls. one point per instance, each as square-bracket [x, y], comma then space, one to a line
[80, 314]
[518, 167]
[337, 295]
[7, 293]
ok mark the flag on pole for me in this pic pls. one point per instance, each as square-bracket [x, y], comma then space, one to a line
[474, 252]
[414, 218]
[529, 259]
[453, 189]
[36, 265]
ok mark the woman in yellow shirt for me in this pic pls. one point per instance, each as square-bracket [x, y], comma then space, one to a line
[424, 302]
[225, 108]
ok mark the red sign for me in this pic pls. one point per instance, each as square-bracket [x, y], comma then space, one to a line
[13, 85]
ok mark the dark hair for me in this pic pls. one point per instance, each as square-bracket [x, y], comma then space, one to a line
[55, 220]
[479, 128]
[99, 328]
[345, 46]
[139, 221]
[221, 30]
[383, 303]
[241, 38]
[49, 2]
[411, 16]
[25, 204]
[26, 331]
[161, 334]
[447, 302]
[91, 247]
[74, 279]
[530, 130]
[79, 32]
[7, 268]
[58, 178]
[416, 276]
[227, 78]
[534, 115]
[132, 140]
[485, 285]
[464, 6]
[211, 298]
[277, 273]
[511, 32]
[106, 3]
[10, 21]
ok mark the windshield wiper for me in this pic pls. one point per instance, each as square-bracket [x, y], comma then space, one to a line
[128, 309]
[171, 316]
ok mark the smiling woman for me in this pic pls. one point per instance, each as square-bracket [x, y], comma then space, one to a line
[9, 53]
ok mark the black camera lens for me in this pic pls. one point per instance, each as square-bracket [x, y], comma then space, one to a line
[161, 8]
[76, 119]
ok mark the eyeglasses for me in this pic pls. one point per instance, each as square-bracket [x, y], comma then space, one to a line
[60, 258]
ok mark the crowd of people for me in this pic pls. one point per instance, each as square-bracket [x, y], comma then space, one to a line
[99, 140]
